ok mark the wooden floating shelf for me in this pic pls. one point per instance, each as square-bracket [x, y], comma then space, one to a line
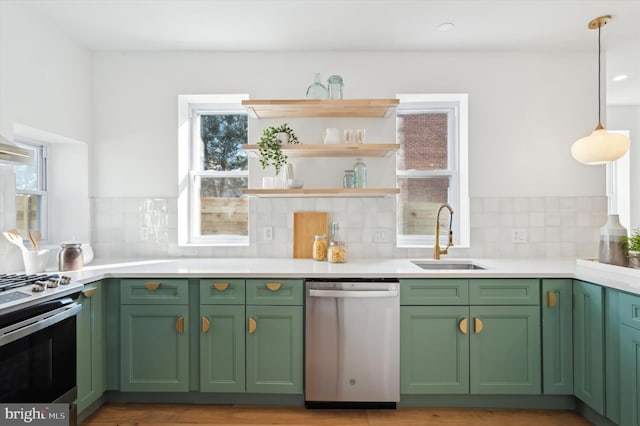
[321, 193]
[330, 150]
[340, 108]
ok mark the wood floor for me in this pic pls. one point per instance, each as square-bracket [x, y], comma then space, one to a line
[174, 414]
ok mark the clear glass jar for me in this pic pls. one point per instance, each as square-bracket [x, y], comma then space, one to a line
[319, 247]
[337, 252]
[317, 90]
[360, 174]
[335, 87]
[347, 179]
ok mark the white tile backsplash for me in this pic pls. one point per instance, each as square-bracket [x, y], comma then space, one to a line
[554, 226]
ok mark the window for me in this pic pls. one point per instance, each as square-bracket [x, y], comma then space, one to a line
[217, 212]
[431, 168]
[31, 191]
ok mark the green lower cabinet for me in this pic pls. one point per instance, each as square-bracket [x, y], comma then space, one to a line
[630, 380]
[222, 348]
[588, 349]
[90, 346]
[505, 350]
[154, 344]
[274, 349]
[434, 350]
[557, 337]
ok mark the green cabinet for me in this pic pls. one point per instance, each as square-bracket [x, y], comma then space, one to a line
[557, 336]
[90, 346]
[588, 340]
[154, 338]
[488, 342]
[630, 359]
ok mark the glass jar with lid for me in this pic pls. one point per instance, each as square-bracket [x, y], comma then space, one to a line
[335, 87]
[337, 252]
[319, 247]
[70, 257]
[347, 179]
[360, 174]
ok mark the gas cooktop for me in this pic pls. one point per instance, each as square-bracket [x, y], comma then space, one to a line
[37, 282]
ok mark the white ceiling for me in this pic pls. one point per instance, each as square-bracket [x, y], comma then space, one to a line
[348, 25]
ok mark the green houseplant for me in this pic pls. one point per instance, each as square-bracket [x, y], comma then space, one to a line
[632, 247]
[270, 146]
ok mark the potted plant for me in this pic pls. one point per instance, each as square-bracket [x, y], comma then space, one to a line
[270, 146]
[632, 247]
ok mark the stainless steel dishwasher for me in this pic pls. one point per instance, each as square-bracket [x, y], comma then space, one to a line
[352, 343]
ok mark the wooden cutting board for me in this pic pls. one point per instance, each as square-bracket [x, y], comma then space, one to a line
[305, 226]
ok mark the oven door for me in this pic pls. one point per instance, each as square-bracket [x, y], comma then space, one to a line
[38, 353]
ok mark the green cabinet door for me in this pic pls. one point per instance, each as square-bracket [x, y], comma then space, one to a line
[588, 350]
[630, 380]
[222, 339]
[90, 349]
[557, 339]
[434, 350]
[154, 348]
[505, 350]
[274, 349]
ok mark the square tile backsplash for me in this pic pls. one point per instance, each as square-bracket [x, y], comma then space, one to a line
[507, 227]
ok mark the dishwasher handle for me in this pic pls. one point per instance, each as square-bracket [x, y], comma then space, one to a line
[353, 293]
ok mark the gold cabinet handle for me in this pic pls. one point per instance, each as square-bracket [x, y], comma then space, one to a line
[152, 286]
[274, 286]
[477, 325]
[89, 292]
[552, 299]
[180, 325]
[252, 325]
[220, 286]
[463, 325]
[206, 324]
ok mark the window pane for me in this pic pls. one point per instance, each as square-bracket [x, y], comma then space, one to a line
[423, 139]
[27, 175]
[222, 137]
[28, 213]
[418, 204]
[223, 210]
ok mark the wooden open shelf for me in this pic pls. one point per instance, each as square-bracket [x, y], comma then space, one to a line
[340, 108]
[321, 193]
[333, 150]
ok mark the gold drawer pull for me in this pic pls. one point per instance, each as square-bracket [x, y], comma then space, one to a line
[89, 292]
[274, 286]
[206, 324]
[552, 299]
[220, 286]
[180, 325]
[252, 325]
[464, 325]
[478, 325]
[152, 286]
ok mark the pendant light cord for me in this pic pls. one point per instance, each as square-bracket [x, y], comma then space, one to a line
[599, 77]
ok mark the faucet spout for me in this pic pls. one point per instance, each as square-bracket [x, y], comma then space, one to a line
[437, 250]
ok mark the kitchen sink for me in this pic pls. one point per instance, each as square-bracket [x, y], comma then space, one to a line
[438, 265]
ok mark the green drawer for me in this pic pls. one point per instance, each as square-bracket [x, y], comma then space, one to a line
[504, 291]
[154, 291]
[274, 292]
[221, 291]
[629, 312]
[434, 292]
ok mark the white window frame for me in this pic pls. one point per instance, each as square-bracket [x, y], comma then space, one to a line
[190, 108]
[456, 106]
[42, 190]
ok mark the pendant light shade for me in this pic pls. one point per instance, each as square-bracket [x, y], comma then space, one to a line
[600, 146]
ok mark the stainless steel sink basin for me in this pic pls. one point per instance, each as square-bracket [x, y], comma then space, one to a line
[439, 265]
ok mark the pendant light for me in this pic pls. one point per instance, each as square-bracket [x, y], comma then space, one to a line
[600, 146]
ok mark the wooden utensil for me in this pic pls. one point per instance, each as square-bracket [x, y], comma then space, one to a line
[305, 226]
[14, 237]
[34, 237]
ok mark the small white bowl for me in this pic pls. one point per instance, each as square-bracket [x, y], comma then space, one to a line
[295, 183]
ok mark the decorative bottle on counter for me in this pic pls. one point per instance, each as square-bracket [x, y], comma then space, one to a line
[360, 174]
[611, 249]
[317, 89]
[70, 257]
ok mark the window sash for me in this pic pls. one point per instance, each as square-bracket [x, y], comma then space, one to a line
[40, 161]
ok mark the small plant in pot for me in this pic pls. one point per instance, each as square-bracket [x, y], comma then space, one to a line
[270, 146]
[632, 247]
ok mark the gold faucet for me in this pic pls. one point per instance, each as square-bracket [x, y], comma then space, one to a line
[437, 251]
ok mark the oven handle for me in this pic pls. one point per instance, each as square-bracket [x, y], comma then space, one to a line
[40, 322]
[353, 293]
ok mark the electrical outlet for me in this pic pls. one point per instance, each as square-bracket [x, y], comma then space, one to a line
[380, 236]
[267, 233]
[518, 236]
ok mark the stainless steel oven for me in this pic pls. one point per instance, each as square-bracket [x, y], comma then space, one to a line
[38, 353]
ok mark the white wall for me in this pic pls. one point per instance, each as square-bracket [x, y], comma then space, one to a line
[526, 109]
